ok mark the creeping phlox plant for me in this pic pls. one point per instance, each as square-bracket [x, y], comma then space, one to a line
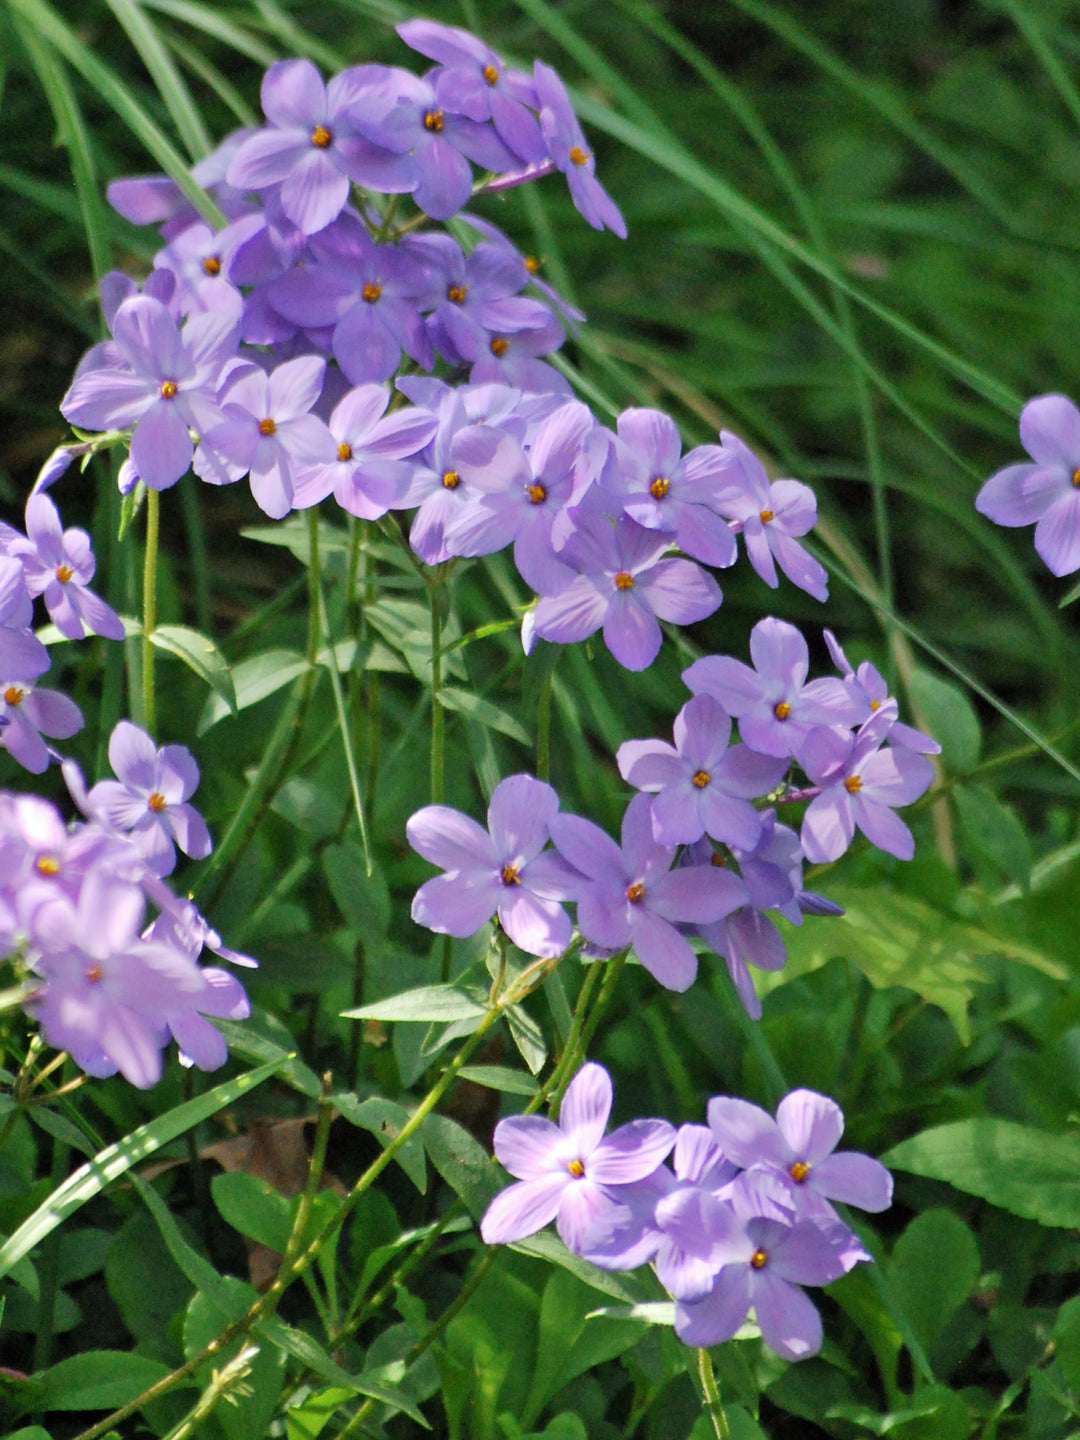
[331, 345]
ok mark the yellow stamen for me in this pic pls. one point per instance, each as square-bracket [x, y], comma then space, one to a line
[64, 573]
[14, 694]
[47, 865]
[766, 516]
[1076, 478]
[451, 479]
[853, 784]
[537, 493]
[157, 801]
[782, 709]
[624, 580]
[321, 137]
[510, 875]
[758, 1258]
[499, 345]
[267, 426]
[456, 294]
[701, 779]
[578, 155]
[659, 487]
[532, 264]
[490, 73]
[344, 451]
[717, 860]
[875, 704]
[576, 1168]
[433, 121]
[371, 291]
[799, 1171]
[168, 389]
[94, 973]
[635, 892]
[212, 265]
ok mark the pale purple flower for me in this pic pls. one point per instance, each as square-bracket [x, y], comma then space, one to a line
[570, 1173]
[201, 261]
[58, 564]
[631, 896]
[27, 714]
[625, 587]
[149, 798]
[478, 297]
[313, 147]
[860, 783]
[200, 1042]
[509, 358]
[22, 654]
[1045, 493]
[148, 199]
[771, 516]
[701, 785]
[867, 686]
[502, 871]
[567, 147]
[688, 1256]
[774, 705]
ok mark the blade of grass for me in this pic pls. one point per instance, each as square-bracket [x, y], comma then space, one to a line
[217, 27]
[1028, 25]
[168, 80]
[195, 61]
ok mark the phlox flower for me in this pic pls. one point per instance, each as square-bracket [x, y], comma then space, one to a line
[22, 655]
[58, 564]
[567, 147]
[570, 1173]
[27, 714]
[869, 690]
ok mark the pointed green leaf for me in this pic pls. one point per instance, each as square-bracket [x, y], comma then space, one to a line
[201, 654]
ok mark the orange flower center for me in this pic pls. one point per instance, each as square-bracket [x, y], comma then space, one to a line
[14, 694]
[766, 516]
[1076, 478]
[451, 479]
[168, 389]
[532, 264]
[47, 865]
[701, 779]
[659, 487]
[635, 892]
[321, 137]
[499, 345]
[94, 973]
[433, 121]
[799, 1171]
[576, 1168]
[212, 265]
[537, 493]
[490, 73]
[717, 859]
[344, 451]
[267, 426]
[875, 704]
[782, 709]
[371, 291]
[758, 1258]
[853, 784]
[510, 875]
[157, 801]
[456, 294]
[64, 573]
[624, 580]
[578, 155]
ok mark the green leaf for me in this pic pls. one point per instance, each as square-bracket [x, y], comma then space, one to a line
[1069, 597]
[649, 1312]
[492, 717]
[312, 1356]
[465, 1165]
[245, 1040]
[627, 1288]
[528, 1037]
[253, 680]
[364, 901]
[385, 1120]
[428, 1002]
[115, 1160]
[201, 654]
[98, 1380]
[933, 1270]
[499, 1077]
[948, 715]
[1067, 1341]
[253, 1207]
[1029, 1172]
[995, 831]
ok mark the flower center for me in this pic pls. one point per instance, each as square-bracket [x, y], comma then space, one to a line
[456, 294]
[157, 801]
[576, 1168]
[875, 704]
[499, 345]
[853, 784]
[321, 137]
[659, 487]
[1076, 478]
[267, 426]
[433, 121]
[94, 973]
[490, 73]
[717, 859]
[635, 892]
[47, 865]
[799, 1171]
[451, 479]
[766, 516]
[212, 265]
[758, 1259]
[532, 264]
[701, 779]
[537, 493]
[14, 695]
[168, 389]
[782, 709]
[510, 875]
[64, 573]
[624, 580]
[344, 451]
[371, 291]
[578, 155]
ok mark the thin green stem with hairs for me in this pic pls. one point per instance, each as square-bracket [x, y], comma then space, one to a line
[149, 704]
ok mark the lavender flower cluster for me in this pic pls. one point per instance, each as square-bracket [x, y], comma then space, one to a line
[741, 1222]
[698, 857]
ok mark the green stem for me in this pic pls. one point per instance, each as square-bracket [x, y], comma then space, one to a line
[543, 729]
[711, 1392]
[150, 608]
[583, 1026]
[49, 1264]
[436, 699]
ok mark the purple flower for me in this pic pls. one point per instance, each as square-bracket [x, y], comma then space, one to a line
[22, 655]
[770, 516]
[200, 1042]
[59, 565]
[1045, 494]
[500, 870]
[689, 1255]
[201, 261]
[625, 588]
[775, 707]
[567, 147]
[149, 798]
[662, 491]
[147, 199]
[631, 896]
[799, 1145]
[702, 786]
[869, 690]
[509, 358]
[859, 784]
[27, 714]
[314, 148]
[478, 297]
[167, 387]
[570, 1172]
